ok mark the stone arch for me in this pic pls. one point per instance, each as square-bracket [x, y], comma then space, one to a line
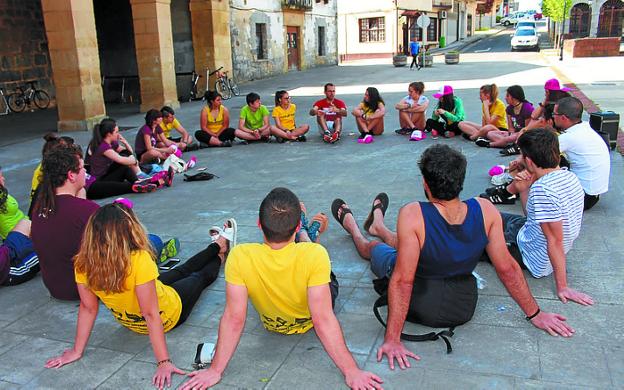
[610, 19]
[580, 18]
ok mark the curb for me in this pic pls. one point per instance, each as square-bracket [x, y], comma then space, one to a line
[466, 43]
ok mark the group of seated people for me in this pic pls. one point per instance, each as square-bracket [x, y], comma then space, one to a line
[86, 252]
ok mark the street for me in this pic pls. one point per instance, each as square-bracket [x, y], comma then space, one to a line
[496, 349]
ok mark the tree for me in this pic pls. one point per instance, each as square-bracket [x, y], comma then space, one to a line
[554, 9]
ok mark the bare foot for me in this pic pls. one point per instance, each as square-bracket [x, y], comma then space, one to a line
[378, 220]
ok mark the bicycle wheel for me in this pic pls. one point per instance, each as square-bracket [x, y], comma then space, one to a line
[223, 89]
[233, 87]
[41, 99]
[17, 103]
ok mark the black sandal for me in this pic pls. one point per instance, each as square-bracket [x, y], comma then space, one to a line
[199, 176]
[383, 206]
[337, 205]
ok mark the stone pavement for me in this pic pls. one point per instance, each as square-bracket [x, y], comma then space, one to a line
[497, 349]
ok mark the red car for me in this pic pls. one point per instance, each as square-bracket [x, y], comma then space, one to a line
[537, 16]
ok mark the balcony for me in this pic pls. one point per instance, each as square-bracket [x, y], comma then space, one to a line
[305, 5]
[443, 4]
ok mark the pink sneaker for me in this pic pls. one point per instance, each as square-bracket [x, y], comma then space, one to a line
[190, 163]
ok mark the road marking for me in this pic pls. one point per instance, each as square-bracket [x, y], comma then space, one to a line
[483, 51]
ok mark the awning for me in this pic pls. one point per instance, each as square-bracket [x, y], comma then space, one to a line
[409, 12]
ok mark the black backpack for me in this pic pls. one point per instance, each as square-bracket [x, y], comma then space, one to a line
[438, 303]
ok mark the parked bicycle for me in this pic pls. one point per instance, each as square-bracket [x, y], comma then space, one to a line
[4, 103]
[193, 92]
[225, 85]
[21, 98]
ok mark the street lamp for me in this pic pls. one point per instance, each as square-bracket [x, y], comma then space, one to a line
[565, 5]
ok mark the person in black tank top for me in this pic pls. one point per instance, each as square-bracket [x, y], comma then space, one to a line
[442, 238]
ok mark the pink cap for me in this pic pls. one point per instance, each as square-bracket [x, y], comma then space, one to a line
[124, 201]
[553, 85]
[445, 90]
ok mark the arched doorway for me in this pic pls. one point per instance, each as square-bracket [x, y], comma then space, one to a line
[610, 22]
[580, 16]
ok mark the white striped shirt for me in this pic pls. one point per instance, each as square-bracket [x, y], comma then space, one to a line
[557, 196]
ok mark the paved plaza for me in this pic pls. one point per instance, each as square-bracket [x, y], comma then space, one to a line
[496, 349]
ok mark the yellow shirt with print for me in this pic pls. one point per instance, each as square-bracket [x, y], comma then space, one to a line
[36, 180]
[277, 281]
[125, 305]
[498, 109]
[367, 110]
[286, 117]
[167, 127]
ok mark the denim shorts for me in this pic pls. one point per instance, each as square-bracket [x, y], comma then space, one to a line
[383, 258]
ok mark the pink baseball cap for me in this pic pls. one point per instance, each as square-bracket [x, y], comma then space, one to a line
[553, 85]
[445, 90]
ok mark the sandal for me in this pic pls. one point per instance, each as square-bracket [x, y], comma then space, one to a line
[382, 205]
[229, 231]
[337, 205]
[199, 176]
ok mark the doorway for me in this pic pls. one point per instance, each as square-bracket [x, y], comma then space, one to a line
[292, 42]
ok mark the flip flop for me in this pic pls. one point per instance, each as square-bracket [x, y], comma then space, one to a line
[337, 205]
[382, 205]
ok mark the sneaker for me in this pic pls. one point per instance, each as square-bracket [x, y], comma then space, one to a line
[403, 131]
[466, 136]
[449, 134]
[361, 136]
[190, 164]
[434, 134]
[367, 139]
[301, 138]
[170, 249]
[495, 189]
[192, 147]
[142, 188]
[169, 177]
[500, 196]
[327, 136]
[335, 137]
[203, 145]
[265, 139]
[142, 176]
[280, 140]
[482, 142]
[226, 144]
[510, 150]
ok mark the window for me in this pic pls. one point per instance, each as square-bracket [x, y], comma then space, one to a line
[261, 41]
[321, 41]
[372, 30]
[432, 30]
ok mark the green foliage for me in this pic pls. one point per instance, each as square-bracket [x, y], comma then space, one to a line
[498, 18]
[554, 9]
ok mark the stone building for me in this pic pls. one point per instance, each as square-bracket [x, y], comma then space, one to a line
[88, 52]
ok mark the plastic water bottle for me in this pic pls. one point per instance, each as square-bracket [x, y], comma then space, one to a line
[481, 283]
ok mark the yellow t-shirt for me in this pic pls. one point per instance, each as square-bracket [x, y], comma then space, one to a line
[498, 108]
[36, 180]
[277, 281]
[367, 110]
[214, 124]
[167, 127]
[125, 305]
[286, 117]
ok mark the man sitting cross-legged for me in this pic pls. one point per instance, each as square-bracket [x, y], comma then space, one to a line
[553, 199]
[329, 113]
[457, 233]
[289, 285]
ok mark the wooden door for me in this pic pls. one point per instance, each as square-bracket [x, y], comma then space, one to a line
[292, 42]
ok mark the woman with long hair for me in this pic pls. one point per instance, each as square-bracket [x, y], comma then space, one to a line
[114, 168]
[214, 121]
[283, 114]
[447, 115]
[493, 116]
[369, 115]
[518, 116]
[18, 262]
[115, 263]
[553, 92]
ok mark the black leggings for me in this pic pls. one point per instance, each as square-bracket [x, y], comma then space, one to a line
[226, 135]
[414, 61]
[192, 277]
[441, 127]
[117, 181]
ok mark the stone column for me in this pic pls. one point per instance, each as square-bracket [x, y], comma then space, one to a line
[153, 41]
[595, 17]
[72, 43]
[212, 46]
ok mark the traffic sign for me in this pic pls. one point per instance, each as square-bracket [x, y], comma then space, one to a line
[423, 21]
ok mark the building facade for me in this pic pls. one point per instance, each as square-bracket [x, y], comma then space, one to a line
[86, 52]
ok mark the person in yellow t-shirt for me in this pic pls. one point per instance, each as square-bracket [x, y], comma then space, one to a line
[169, 123]
[494, 117]
[369, 115]
[283, 114]
[115, 263]
[214, 121]
[289, 285]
